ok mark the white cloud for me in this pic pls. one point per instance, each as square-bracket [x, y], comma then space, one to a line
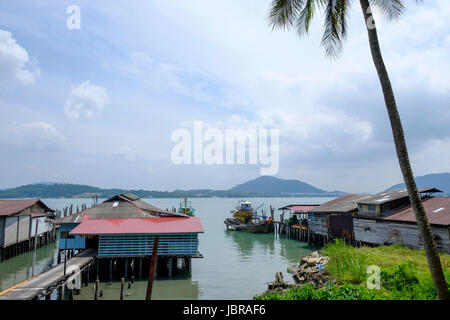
[15, 63]
[31, 136]
[131, 153]
[85, 101]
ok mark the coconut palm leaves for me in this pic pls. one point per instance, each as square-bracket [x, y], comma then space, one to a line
[298, 14]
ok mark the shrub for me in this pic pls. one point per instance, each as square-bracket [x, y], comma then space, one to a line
[330, 292]
[402, 277]
[345, 263]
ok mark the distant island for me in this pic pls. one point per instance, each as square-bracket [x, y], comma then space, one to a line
[264, 186]
[439, 181]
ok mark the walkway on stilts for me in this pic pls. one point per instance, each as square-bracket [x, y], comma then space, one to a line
[47, 281]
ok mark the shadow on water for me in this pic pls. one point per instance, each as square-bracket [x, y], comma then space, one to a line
[179, 287]
[245, 242]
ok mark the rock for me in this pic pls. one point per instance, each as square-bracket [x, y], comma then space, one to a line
[278, 283]
[292, 269]
[312, 261]
[315, 254]
[311, 270]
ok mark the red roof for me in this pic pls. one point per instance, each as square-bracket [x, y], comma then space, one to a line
[139, 225]
[10, 207]
[437, 209]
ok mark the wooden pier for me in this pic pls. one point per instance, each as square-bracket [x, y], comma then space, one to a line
[294, 232]
[43, 284]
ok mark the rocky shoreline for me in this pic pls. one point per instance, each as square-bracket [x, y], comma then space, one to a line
[310, 270]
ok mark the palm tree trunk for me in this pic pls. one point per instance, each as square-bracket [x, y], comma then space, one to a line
[431, 252]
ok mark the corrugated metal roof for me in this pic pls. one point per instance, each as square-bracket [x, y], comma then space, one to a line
[391, 195]
[437, 209]
[9, 207]
[120, 207]
[299, 207]
[166, 225]
[347, 203]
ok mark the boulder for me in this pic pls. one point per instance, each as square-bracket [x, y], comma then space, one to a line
[312, 261]
[278, 283]
[292, 269]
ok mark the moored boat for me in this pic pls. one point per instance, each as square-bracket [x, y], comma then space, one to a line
[245, 218]
[186, 207]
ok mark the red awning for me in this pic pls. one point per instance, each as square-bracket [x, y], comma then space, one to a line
[139, 226]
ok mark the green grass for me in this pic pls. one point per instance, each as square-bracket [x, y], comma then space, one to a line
[330, 292]
[404, 275]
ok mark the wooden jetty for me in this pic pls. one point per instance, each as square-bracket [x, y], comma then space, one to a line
[43, 284]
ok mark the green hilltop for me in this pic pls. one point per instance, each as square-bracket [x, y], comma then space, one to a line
[260, 187]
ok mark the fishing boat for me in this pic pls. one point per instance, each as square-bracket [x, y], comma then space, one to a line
[245, 218]
[186, 207]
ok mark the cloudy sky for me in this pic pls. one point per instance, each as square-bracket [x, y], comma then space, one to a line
[98, 105]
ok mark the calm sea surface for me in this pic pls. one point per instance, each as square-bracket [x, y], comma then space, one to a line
[236, 265]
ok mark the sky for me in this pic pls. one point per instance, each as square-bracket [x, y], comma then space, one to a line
[98, 104]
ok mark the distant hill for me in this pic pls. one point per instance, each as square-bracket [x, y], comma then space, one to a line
[260, 187]
[439, 181]
[267, 184]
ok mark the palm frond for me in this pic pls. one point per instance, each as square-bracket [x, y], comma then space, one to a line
[335, 26]
[284, 13]
[305, 16]
[391, 9]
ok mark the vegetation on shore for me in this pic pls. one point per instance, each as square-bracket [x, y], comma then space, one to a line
[404, 275]
[65, 190]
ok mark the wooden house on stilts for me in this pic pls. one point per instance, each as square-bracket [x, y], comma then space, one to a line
[122, 230]
[18, 219]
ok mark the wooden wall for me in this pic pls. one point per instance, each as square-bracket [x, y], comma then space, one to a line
[388, 232]
[142, 245]
[318, 223]
[17, 229]
[2, 231]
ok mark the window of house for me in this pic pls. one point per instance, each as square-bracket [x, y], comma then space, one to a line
[372, 207]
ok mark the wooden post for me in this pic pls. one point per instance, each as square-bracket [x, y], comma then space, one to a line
[126, 268]
[140, 268]
[169, 266]
[122, 282]
[97, 284]
[188, 265]
[34, 249]
[65, 250]
[87, 276]
[110, 270]
[152, 268]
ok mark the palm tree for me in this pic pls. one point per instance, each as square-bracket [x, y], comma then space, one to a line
[298, 14]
